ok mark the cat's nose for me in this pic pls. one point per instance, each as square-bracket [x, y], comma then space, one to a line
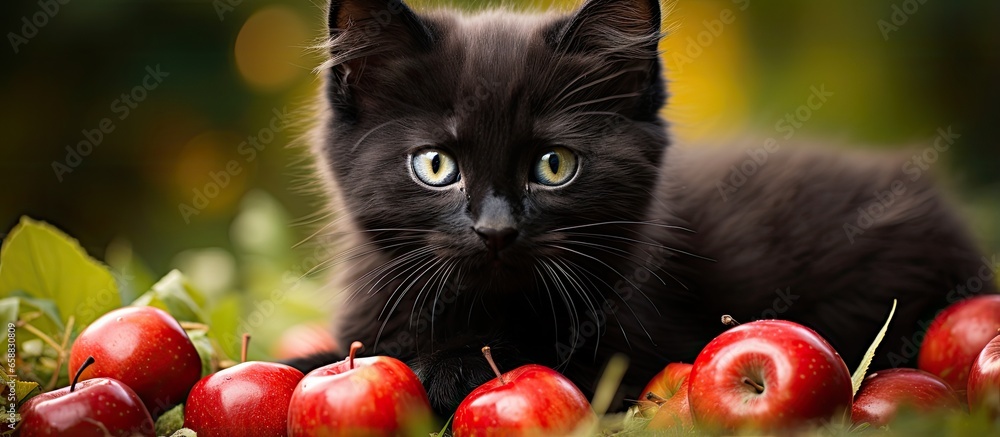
[496, 239]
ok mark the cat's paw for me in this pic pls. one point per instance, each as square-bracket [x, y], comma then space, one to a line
[451, 374]
[314, 361]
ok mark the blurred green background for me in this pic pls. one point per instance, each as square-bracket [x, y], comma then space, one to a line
[230, 64]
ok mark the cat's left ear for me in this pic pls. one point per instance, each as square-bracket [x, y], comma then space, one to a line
[372, 33]
[624, 29]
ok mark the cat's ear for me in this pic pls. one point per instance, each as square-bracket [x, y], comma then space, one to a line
[369, 33]
[618, 28]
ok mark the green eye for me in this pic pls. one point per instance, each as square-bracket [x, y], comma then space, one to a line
[555, 167]
[434, 167]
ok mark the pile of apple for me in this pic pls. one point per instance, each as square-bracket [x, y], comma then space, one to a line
[134, 363]
[774, 374]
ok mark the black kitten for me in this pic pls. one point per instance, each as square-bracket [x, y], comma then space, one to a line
[505, 180]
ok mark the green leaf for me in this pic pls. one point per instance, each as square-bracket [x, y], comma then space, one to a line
[170, 422]
[45, 263]
[24, 390]
[49, 310]
[206, 351]
[859, 374]
[175, 295]
[444, 428]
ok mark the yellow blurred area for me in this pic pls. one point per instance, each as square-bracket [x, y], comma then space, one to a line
[704, 68]
[270, 48]
[203, 169]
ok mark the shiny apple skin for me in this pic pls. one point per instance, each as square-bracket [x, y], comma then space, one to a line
[676, 411]
[247, 400]
[956, 336]
[984, 379]
[144, 348]
[101, 400]
[534, 400]
[882, 394]
[380, 396]
[668, 381]
[804, 378]
[671, 384]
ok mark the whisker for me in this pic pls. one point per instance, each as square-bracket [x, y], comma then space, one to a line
[589, 84]
[367, 134]
[570, 305]
[623, 222]
[602, 99]
[621, 254]
[570, 266]
[444, 283]
[361, 231]
[636, 287]
[587, 297]
[409, 281]
[343, 256]
[621, 327]
[438, 266]
[552, 304]
[401, 291]
[627, 305]
[648, 243]
[378, 274]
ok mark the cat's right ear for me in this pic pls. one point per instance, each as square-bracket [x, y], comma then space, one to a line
[628, 29]
[366, 34]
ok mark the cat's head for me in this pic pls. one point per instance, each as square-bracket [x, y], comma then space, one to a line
[489, 142]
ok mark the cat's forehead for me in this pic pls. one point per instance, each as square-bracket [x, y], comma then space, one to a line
[495, 44]
[485, 30]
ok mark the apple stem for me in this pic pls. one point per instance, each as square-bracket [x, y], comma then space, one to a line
[489, 359]
[244, 347]
[79, 372]
[754, 384]
[729, 320]
[650, 396]
[355, 347]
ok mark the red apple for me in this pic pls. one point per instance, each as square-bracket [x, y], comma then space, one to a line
[668, 391]
[143, 347]
[364, 396]
[884, 392]
[96, 407]
[249, 399]
[984, 379]
[676, 411]
[768, 374]
[529, 400]
[956, 336]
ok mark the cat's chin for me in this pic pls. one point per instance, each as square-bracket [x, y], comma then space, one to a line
[499, 275]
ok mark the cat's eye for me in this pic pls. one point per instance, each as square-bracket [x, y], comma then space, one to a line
[555, 167]
[434, 167]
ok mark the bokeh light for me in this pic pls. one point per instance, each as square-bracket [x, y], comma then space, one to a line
[270, 48]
